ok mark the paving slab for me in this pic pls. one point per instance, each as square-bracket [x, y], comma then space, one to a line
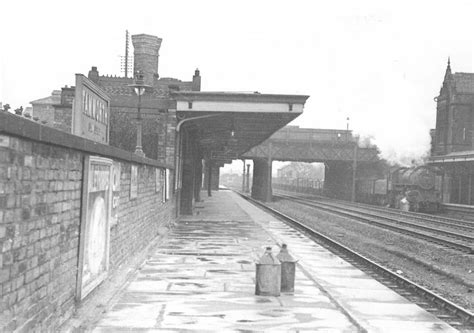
[202, 278]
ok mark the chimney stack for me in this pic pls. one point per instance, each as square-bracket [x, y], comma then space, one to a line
[93, 74]
[145, 56]
[196, 80]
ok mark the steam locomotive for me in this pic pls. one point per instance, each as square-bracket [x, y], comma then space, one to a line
[419, 186]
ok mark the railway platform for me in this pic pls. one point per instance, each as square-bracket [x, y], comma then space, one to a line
[202, 278]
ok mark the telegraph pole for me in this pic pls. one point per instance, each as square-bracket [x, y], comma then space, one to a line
[126, 53]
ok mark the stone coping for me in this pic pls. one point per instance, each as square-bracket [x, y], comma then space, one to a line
[28, 129]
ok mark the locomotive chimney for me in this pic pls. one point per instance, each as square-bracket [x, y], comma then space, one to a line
[145, 56]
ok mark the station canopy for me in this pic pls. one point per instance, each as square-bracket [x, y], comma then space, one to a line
[229, 124]
[454, 157]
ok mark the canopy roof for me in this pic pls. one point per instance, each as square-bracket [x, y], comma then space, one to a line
[229, 123]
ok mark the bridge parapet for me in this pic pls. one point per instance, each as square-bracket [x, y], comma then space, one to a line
[296, 134]
[313, 145]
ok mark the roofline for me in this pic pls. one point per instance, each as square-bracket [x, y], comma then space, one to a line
[44, 99]
[91, 85]
[290, 128]
[451, 158]
[236, 96]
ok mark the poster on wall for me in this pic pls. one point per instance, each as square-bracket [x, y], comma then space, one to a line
[163, 184]
[134, 182]
[95, 219]
[167, 184]
[157, 180]
[116, 172]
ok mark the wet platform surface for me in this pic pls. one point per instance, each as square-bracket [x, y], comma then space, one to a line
[202, 278]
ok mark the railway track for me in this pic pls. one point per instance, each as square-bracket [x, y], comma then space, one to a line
[457, 223]
[410, 225]
[444, 309]
[461, 211]
[467, 225]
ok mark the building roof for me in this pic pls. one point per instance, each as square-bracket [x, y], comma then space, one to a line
[120, 86]
[287, 167]
[251, 97]
[54, 99]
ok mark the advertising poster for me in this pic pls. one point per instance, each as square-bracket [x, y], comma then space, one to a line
[167, 184]
[95, 219]
[134, 182]
[116, 172]
[157, 180]
[163, 184]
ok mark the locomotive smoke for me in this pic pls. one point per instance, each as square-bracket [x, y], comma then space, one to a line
[409, 149]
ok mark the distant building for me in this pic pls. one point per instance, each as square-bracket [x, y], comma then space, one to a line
[45, 109]
[301, 170]
[452, 148]
[157, 106]
[454, 113]
[287, 171]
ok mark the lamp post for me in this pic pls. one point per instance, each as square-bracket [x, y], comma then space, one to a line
[140, 87]
[347, 129]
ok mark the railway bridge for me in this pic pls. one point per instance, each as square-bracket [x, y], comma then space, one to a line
[340, 151]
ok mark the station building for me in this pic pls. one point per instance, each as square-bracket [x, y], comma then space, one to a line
[78, 205]
[453, 138]
[182, 126]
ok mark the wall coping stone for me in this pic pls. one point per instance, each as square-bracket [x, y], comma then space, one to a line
[18, 126]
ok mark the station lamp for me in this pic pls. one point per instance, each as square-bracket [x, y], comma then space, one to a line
[232, 138]
[140, 87]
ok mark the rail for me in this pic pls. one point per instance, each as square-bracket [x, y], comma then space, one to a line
[457, 241]
[436, 303]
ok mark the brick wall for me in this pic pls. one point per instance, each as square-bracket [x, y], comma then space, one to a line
[140, 220]
[44, 112]
[63, 111]
[40, 204]
[63, 118]
[158, 132]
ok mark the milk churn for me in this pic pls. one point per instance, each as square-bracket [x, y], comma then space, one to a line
[288, 265]
[268, 276]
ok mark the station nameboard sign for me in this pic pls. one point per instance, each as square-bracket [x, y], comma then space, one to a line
[224, 156]
[91, 111]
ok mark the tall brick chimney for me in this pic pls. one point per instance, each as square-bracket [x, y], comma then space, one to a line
[145, 56]
[196, 81]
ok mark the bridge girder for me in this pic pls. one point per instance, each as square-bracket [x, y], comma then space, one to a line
[312, 152]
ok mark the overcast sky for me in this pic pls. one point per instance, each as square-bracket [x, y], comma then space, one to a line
[380, 63]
